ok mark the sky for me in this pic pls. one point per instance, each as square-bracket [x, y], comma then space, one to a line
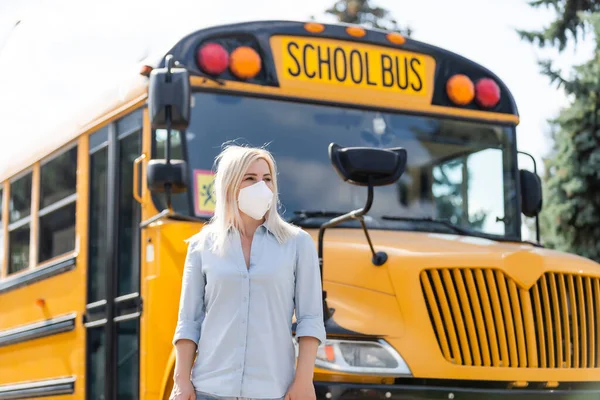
[65, 53]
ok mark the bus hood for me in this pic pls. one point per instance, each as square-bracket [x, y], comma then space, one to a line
[347, 256]
[366, 298]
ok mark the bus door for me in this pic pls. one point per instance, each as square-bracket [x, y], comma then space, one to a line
[113, 302]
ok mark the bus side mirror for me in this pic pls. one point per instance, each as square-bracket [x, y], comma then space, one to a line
[169, 96]
[169, 108]
[362, 166]
[368, 166]
[160, 176]
[531, 193]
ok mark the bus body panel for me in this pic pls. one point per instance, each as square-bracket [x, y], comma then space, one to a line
[162, 281]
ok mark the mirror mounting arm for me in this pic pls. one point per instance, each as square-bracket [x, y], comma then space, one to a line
[378, 259]
[169, 122]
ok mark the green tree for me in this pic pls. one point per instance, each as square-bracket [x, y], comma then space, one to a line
[570, 220]
[363, 12]
[570, 21]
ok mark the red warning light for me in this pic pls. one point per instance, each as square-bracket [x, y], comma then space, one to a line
[487, 93]
[213, 59]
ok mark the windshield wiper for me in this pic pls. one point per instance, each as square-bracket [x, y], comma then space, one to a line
[305, 214]
[460, 230]
[448, 224]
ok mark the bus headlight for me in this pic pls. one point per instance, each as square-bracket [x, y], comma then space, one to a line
[360, 357]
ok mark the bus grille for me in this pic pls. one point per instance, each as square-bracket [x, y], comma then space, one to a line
[482, 318]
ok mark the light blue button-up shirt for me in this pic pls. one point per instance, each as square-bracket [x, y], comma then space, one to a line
[241, 318]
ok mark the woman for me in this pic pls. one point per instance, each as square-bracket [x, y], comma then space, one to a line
[245, 275]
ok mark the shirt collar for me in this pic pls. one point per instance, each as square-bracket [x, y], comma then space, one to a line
[265, 228]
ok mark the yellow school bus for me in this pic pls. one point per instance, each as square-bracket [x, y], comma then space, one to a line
[398, 157]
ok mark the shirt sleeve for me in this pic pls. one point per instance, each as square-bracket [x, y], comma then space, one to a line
[191, 302]
[308, 296]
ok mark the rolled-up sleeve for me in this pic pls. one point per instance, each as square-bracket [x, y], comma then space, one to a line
[308, 296]
[191, 302]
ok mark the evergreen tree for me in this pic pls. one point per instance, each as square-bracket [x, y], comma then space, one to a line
[570, 220]
[363, 12]
[570, 20]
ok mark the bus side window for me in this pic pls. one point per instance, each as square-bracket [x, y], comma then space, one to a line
[58, 179]
[19, 223]
[463, 194]
[449, 191]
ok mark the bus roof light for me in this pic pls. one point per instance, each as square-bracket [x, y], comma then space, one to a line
[245, 62]
[213, 58]
[314, 27]
[356, 31]
[487, 93]
[460, 89]
[396, 38]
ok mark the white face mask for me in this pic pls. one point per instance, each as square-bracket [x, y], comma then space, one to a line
[255, 200]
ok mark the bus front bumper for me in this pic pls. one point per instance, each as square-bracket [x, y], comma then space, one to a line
[351, 391]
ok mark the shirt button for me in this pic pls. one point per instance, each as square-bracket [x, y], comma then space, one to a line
[243, 321]
[245, 298]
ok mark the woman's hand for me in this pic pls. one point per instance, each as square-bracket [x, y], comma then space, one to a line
[183, 390]
[301, 390]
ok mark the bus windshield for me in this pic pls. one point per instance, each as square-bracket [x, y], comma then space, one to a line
[459, 173]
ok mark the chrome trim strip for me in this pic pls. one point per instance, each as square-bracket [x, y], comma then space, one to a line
[42, 388]
[127, 317]
[96, 304]
[127, 297]
[37, 274]
[95, 323]
[53, 326]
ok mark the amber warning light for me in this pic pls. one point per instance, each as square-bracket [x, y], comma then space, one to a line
[243, 62]
[462, 91]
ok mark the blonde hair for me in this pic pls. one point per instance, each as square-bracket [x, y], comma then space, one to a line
[231, 166]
